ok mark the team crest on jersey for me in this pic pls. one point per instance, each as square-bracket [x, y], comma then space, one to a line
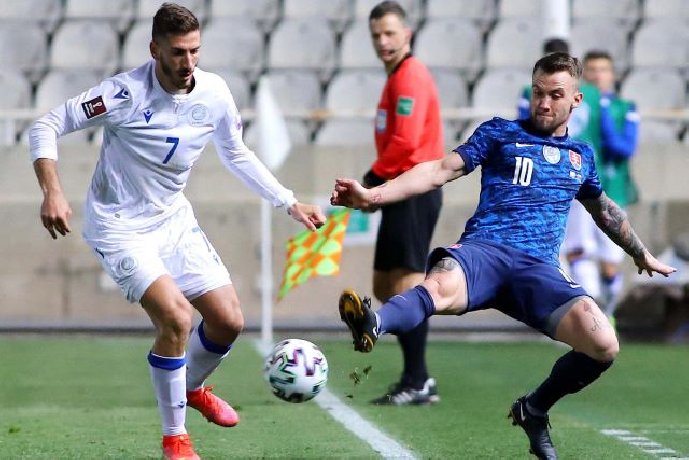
[551, 154]
[198, 115]
[575, 159]
[94, 107]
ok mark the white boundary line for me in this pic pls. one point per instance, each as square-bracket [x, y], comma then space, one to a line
[351, 420]
[644, 444]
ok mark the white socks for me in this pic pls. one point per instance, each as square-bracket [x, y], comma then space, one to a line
[168, 375]
[203, 357]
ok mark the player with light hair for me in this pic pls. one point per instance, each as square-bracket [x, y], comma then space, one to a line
[157, 120]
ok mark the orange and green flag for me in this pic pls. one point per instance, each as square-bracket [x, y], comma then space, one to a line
[316, 253]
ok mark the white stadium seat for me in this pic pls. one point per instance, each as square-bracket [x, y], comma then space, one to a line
[481, 12]
[303, 44]
[670, 9]
[135, 50]
[356, 48]
[264, 12]
[661, 43]
[233, 43]
[600, 34]
[625, 11]
[91, 45]
[452, 44]
[119, 12]
[655, 89]
[46, 13]
[25, 48]
[515, 43]
[499, 88]
[452, 89]
[298, 132]
[530, 9]
[337, 12]
[295, 91]
[355, 91]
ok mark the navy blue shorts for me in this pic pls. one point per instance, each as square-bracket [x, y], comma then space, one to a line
[511, 281]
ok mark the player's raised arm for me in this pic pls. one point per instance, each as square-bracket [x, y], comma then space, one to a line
[613, 221]
[421, 178]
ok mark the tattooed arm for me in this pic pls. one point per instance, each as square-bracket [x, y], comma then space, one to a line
[613, 221]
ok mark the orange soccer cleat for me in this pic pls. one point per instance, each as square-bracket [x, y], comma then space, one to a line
[178, 447]
[213, 408]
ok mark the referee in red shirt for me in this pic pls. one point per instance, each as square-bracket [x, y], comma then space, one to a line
[407, 131]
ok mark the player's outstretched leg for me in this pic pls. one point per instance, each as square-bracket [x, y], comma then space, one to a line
[179, 447]
[213, 408]
[536, 429]
[360, 319]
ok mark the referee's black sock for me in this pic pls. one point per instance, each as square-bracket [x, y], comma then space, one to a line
[571, 373]
[413, 344]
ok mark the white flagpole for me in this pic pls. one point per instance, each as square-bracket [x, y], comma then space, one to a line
[274, 146]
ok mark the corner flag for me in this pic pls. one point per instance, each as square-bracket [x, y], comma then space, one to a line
[318, 253]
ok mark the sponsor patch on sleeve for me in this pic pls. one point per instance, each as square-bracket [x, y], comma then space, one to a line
[94, 107]
[405, 105]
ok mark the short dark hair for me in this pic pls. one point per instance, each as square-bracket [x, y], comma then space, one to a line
[387, 7]
[559, 62]
[597, 54]
[555, 45]
[173, 19]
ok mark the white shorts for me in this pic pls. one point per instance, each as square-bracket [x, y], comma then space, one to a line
[176, 247]
[583, 234]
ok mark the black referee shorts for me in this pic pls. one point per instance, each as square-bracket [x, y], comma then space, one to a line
[405, 232]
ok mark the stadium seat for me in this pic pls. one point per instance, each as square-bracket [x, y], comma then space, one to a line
[264, 12]
[356, 48]
[135, 50]
[238, 84]
[481, 12]
[147, 8]
[499, 89]
[452, 89]
[625, 11]
[89, 45]
[661, 43]
[669, 9]
[303, 44]
[355, 91]
[295, 91]
[413, 8]
[119, 12]
[16, 95]
[46, 13]
[233, 43]
[658, 89]
[337, 12]
[514, 43]
[297, 130]
[345, 132]
[658, 132]
[451, 44]
[600, 34]
[519, 9]
[25, 48]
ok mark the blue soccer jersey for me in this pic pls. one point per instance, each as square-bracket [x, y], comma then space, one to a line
[527, 185]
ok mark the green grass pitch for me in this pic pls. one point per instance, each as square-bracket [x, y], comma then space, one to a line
[82, 397]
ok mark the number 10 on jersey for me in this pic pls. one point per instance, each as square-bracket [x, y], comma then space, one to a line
[522, 171]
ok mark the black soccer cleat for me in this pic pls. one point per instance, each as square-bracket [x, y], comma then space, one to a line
[360, 319]
[536, 428]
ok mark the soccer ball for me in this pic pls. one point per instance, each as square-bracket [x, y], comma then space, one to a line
[296, 370]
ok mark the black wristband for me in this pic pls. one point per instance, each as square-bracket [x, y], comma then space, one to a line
[371, 179]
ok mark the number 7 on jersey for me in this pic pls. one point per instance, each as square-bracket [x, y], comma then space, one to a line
[175, 142]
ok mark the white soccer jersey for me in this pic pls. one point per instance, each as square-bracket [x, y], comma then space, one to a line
[151, 140]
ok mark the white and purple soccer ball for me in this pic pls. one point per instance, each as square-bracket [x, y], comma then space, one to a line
[296, 370]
